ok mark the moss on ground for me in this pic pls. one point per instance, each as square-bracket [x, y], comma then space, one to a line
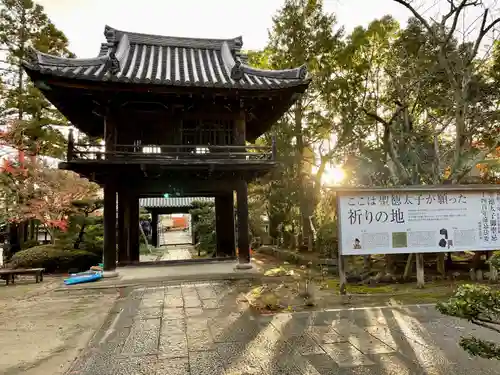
[361, 289]
[326, 288]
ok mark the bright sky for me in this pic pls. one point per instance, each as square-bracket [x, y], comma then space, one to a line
[83, 21]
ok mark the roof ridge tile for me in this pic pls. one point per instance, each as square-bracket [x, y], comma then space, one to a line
[112, 35]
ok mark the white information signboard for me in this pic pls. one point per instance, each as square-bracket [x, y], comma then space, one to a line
[418, 221]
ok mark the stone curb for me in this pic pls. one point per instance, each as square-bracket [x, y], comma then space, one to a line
[172, 279]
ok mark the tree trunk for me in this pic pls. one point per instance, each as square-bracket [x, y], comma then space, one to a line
[299, 154]
[51, 234]
[79, 239]
[475, 271]
[389, 264]
[367, 263]
[20, 71]
[31, 230]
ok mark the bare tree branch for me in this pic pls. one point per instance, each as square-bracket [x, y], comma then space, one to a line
[485, 29]
[455, 11]
[416, 14]
[402, 172]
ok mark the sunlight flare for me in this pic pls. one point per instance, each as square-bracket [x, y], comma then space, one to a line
[333, 176]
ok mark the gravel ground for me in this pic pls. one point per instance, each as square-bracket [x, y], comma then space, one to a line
[43, 331]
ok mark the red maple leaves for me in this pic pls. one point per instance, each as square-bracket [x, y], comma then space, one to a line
[42, 193]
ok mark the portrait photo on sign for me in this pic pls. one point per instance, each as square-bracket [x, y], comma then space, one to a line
[357, 244]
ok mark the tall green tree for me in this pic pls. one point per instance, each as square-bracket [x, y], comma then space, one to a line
[470, 112]
[303, 33]
[278, 191]
[359, 85]
[403, 93]
[24, 24]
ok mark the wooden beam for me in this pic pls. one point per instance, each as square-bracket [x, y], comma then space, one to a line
[207, 92]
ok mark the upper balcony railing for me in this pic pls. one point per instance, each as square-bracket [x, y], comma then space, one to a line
[171, 153]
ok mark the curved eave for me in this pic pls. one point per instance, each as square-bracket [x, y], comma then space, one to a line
[299, 73]
[37, 58]
[239, 70]
[101, 77]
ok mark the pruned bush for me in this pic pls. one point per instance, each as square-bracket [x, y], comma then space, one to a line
[29, 244]
[54, 259]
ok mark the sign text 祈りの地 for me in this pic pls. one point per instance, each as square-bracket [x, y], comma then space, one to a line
[418, 221]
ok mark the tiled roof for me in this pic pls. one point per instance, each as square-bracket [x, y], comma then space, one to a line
[151, 59]
[171, 202]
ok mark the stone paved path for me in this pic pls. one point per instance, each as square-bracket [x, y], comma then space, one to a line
[174, 237]
[201, 329]
[176, 253]
[174, 245]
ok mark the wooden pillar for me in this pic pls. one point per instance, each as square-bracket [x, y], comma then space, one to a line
[133, 237]
[122, 230]
[109, 253]
[126, 227]
[110, 135]
[71, 146]
[219, 225]
[224, 224]
[243, 237]
[154, 228]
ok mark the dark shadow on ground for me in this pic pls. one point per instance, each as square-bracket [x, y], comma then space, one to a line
[202, 328]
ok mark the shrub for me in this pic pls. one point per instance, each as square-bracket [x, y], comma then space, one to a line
[203, 216]
[145, 249]
[84, 233]
[326, 240]
[93, 240]
[54, 259]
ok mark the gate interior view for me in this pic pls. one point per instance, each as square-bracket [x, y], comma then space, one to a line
[170, 224]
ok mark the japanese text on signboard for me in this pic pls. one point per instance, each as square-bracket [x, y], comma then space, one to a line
[368, 209]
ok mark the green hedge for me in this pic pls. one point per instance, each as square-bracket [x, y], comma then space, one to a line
[54, 259]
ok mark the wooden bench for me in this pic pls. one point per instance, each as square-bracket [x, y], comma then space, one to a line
[9, 275]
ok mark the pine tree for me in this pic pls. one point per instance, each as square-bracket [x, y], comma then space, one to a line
[24, 24]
